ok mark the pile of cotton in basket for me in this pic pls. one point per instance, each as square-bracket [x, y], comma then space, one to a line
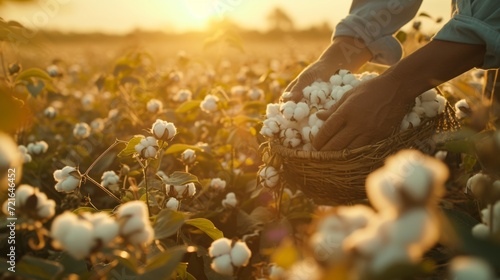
[295, 124]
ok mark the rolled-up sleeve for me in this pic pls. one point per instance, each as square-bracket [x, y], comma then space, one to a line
[475, 22]
[375, 22]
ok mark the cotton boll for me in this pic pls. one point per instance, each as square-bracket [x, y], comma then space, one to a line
[343, 72]
[132, 208]
[481, 231]
[154, 105]
[462, 109]
[106, 229]
[301, 111]
[355, 83]
[78, 240]
[46, 210]
[429, 95]
[413, 119]
[222, 265]
[328, 104]
[276, 272]
[410, 227]
[308, 147]
[143, 237]
[442, 103]
[240, 254]
[272, 109]
[382, 192]
[405, 124]
[327, 246]
[417, 182]
[132, 225]
[356, 216]
[347, 79]
[476, 183]
[388, 256]
[346, 88]
[230, 201]
[287, 109]
[269, 176]
[219, 247]
[419, 110]
[286, 95]
[172, 204]
[304, 269]
[430, 108]
[336, 80]
[306, 134]
[465, 268]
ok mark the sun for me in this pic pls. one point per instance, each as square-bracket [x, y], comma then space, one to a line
[199, 11]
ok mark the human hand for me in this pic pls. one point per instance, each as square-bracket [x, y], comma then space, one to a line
[366, 114]
[332, 59]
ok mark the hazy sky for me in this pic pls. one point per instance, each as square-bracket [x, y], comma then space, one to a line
[121, 16]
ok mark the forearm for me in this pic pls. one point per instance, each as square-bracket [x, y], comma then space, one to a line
[346, 53]
[433, 64]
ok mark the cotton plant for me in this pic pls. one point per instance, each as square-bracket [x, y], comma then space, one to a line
[228, 254]
[163, 130]
[217, 184]
[181, 191]
[294, 126]
[135, 227]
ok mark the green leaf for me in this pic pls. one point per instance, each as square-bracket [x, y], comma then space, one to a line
[206, 226]
[188, 106]
[181, 178]
[37, 268]
[167, 223]
[182, 273]
[163, 265]
[130, 148]
[31, 73]
[81, 210]
[179, 148]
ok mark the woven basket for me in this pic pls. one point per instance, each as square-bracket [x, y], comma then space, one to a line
[338, 177]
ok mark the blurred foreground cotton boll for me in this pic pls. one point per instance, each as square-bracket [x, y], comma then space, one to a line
[31, 203]
[407, 174]
[465, 268]
[24, 153]
[154, 106]
[135, 227]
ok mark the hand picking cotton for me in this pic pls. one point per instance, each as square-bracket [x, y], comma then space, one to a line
[295, 124]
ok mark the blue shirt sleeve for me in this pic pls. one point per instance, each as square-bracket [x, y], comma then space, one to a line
[375, 22]
[475, 22]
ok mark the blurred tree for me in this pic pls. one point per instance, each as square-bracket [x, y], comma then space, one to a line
[279, 20]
